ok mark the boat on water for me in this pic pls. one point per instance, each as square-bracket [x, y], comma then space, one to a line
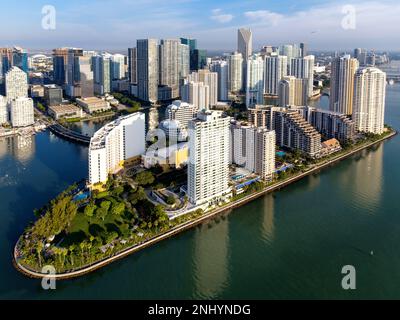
[391, 82]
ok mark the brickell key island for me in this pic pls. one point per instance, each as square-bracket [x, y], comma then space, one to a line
[220, 146]
[163, 168]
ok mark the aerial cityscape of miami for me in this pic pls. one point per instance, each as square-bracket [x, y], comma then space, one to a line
[198, 150]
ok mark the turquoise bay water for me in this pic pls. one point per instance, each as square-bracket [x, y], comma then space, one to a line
[290, 244]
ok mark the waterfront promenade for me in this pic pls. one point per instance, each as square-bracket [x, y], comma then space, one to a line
[205, 217]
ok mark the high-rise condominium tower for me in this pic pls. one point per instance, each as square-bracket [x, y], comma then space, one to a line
[255, 81]
[184, 61]
[16, 84]
[303, 68]
[235, 70]
[132, 65]
[275, 70]
[209, 79]
[369, 100]
[102, 73]
[245, 47]
[197, 94]
[221, 67]
[208, 168]
[21, 112]
[3, 110]
[292, 92]
[169, 65]
[342, 84]
[147, 69]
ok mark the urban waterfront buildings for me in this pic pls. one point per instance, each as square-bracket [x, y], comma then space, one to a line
[3, 110]
[255, 81]
[342, 84]
[208, 167]
[330, 124]
[303, 68]
[292, 130]
[21, 112]
[147, 69]
[275, 71]
[115, 143]
[292, 91]
[16, 84]
[369, 100]
[253, 148]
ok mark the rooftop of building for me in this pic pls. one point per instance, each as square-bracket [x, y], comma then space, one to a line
[99, 138]
[64, 108]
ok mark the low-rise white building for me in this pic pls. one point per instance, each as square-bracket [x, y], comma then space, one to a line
[114, 144]
[93, 104]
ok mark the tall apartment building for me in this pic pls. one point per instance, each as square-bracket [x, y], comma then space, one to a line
[329, 124]
[198, 60]
[117, 66]
[369, 100]
[275, 71]
[182, 112]
[292, 130]
[197, 94]
[208, 168]
[221, 68]
[102, 73]
[192, 44]
[253, 148]
[361, 55]
[169, 66]
[184, 61]
[209, 79]
[303, 68]
[3, 110]
[21, 112]
[115, 143]
[255, 81]
[79, 74]
[235, 71]
[16, 84]
[292, 92]
[60, 60]
[147, 69]
[342, 84]
[132, 65]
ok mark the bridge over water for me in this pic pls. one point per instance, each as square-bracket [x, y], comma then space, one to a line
[68, 134]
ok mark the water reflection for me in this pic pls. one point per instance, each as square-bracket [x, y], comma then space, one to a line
[21, 148]
[211, 259]
[366, 180]
[268, 226]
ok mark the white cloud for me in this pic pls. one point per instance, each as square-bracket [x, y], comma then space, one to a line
[220, 17]
[264, 17]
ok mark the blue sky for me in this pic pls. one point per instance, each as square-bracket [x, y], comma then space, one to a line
[116, 24]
